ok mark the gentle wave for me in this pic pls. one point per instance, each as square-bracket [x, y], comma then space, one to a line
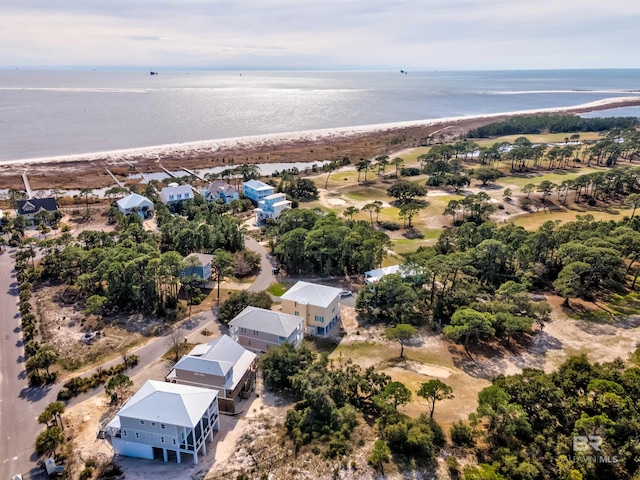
[210, 146]
[530, 92]
[77, 89]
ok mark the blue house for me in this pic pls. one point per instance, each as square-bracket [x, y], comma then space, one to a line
[202, 267]
[256, 191]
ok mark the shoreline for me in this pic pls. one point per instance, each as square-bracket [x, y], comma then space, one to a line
[365, 141]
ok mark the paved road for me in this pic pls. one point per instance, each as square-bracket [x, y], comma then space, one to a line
[267, 264]
[20, 404]
[19, 407]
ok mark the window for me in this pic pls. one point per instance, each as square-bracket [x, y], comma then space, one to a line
[162, 439]
[153, 424]
[267, 347]
[137, 435]
[170, 197]
[141, 422]
[174, 441]
[248, 342]
[320, 319]
[124, 433]
[198, 374]
[243, 330]
[296, 313]
[179, 195]
[162, 426]
[256, 333]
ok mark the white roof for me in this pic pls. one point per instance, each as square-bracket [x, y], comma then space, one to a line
[312, 294]
[217, 358]
[169, 403]
[257, 185]
[274, 196]
[176, 190]
[134, 200]
[267, 321]
[377, 274]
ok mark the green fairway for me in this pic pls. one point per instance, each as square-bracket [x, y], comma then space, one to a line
[555, 177]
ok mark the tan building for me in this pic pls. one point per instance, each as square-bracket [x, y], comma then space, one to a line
[222, 365]
[258, 329]
[318, 305]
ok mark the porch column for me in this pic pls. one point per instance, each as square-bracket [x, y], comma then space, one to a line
[179, 457]
[195, 456]
[204, 447]
[164, 455]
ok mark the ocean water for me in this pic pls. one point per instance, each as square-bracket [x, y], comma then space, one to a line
[52, 113]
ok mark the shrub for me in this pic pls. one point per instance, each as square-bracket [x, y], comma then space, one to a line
[453, 466]
[526, 203]
[390, 226]
[462, 434]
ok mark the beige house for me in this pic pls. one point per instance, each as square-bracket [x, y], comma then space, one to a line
[165, 421]
[258, 329]
[221, 365]
[318, 305]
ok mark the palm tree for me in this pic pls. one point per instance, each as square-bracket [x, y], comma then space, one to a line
[49, 440]
[370, 207]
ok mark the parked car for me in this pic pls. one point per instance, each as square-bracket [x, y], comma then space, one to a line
[345, 293]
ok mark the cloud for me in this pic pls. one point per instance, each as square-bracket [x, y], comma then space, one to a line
[461, 34]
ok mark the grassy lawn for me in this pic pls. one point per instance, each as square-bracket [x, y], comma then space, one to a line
[555, 177]
[537, 138]
[532, 221]
[277, 289]
[403, 246]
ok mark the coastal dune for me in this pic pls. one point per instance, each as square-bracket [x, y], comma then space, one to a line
[89, 170]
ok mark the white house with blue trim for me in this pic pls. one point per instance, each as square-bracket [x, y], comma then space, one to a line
[175, 193]
[271, 207]
[220, 190]
[256, 190]
[135, 203]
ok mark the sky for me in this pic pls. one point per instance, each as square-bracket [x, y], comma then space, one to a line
[326, 34]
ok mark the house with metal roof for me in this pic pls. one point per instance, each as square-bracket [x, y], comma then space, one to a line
[258, 329]
[375, 275]
[318, 305]
[165, 420]
[135, 203]
[256, 190]
[271, 207]
[175, 193]
[222, 365]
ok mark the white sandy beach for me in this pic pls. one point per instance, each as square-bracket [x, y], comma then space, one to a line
[210, 146]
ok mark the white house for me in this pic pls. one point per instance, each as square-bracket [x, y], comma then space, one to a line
[257, 191]
[375, 275]
[222, 365]
[271, 207]
[135, 203]
[175, 193]
[220, 190]
[165, 420]
[258, 329]
[318, 305]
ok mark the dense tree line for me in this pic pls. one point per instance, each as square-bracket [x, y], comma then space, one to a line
[487, 271]
[529, 423]
[552, 124]
[135, 270]
[332, 396]
[308, 241]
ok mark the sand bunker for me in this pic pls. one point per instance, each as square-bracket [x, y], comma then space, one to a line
[335, 201]
[424, 369]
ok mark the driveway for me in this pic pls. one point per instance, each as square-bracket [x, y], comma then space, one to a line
[20, 405]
